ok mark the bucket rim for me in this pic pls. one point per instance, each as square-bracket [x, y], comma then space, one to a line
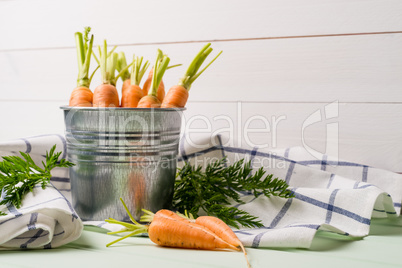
[66, 107]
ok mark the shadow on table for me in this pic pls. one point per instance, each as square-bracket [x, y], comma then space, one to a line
[324, 241]
[386, 227]
[327, 241]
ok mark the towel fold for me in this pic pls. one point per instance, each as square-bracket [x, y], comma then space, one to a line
[330, 195]
[46, 218]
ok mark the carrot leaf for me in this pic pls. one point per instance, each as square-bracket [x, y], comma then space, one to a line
[173, 66]
[214, 189]
[138, 70]
[134, 228]
[122, 64]
[79, 43]
[148, 216]
[111, 69]
[192, 71]
[19, 176]
[84, 52]
[200, 72]
[108, 63]
[160, 66]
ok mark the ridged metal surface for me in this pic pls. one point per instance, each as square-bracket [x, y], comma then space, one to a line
[121, 152]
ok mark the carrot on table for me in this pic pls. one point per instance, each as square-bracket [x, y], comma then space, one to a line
[132, 93]
[177, 95]
[151, 100]
[106, 95]
[221, 229]
[168, 229]
[82, 96]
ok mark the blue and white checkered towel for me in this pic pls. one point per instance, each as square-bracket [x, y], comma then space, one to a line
[46, 218]
[330, 195]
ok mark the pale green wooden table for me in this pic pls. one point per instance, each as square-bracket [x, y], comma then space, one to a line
[383, 248]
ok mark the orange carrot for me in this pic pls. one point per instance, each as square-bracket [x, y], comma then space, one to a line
[161, 89]
[121, 67]
[171, 230]
[132, 93]
[126, 84]
[105, 95]
[82, 95]
[176, 97]
[168, 229]
[151, 100]
[222, 230]
[131, 96]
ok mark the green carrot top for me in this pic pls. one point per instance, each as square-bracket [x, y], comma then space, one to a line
[160, 66]
[191, 74]
[108, 62]
[84, 51]
[121, 66]
[138, 70]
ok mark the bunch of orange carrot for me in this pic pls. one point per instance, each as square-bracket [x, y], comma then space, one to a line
[170, 229]
[114, 66]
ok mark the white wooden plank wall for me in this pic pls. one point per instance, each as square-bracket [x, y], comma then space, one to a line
[283, 61]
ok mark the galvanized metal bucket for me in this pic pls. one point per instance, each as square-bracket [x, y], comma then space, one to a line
[127, 153]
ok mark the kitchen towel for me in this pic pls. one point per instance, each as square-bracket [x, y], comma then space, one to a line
[330, 195]
[46, 218]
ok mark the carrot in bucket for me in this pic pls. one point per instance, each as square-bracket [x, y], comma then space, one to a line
[105, 95]
[147, 84]
[177, 95]
[123, 70]
[132, 92]
[161, 89]
[151, 100]
[82, 96]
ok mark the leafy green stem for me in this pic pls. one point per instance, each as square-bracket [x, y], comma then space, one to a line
[19, 175]
[84, 51]
[121, 72]
[173, 66]
[161, 64]
[138, 70]
[121, 65]
[191, 74]
[108, 64]
[111, 69]
[79, 43]
[134, 227]
[214, 189]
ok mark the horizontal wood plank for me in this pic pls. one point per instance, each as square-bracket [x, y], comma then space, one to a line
[367, 133]
[51, 24]
[347, 69]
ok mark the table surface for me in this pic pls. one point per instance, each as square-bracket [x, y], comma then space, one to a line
[382, 248]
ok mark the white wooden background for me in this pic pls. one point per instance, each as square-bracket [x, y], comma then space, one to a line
[283, 60]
